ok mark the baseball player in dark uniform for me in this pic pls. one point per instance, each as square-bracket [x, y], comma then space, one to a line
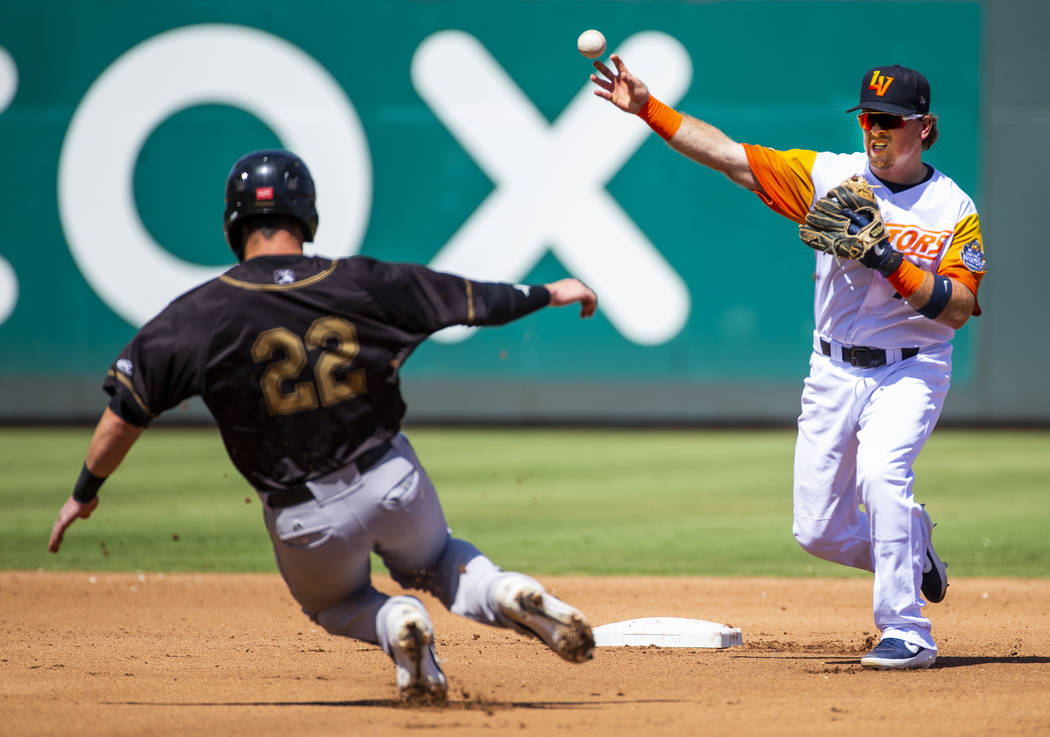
[297, 358]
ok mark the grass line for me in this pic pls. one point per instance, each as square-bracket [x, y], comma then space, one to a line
[599, 502]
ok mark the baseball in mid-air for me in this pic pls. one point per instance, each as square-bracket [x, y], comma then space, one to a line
[591, 43]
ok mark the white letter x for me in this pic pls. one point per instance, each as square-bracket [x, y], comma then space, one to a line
[550, 181]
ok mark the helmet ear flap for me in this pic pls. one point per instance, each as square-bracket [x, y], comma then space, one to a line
[235, 237]
[268, 182]
[231, 226]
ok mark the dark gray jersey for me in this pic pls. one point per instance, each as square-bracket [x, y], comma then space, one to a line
[297, 358]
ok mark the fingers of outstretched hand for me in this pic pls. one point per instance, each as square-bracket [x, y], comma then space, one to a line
[604, 71]
[604, 84]
[57, 531]
[567, 291]
[588, 303]
[70, 512]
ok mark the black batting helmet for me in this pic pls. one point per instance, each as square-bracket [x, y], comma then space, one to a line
[271, 182]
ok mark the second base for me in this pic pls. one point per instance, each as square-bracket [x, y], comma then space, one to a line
[667, 632]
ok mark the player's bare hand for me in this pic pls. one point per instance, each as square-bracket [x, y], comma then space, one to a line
[70, 512]
[567, 291]
[621, 88]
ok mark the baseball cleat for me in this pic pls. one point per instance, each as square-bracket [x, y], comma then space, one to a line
[894, 654]
[934, 571]
[419, 677]
[535, 612]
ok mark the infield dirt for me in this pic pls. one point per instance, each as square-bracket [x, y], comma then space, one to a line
[177, 654]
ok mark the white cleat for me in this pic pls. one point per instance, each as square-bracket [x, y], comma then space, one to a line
[419, 677]
[535, 612]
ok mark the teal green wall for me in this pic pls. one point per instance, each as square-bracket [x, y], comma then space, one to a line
[776, 73]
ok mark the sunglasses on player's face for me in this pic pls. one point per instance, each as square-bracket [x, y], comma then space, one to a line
[886, 121]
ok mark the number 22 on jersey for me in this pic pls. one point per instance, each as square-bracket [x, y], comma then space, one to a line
[333, 382]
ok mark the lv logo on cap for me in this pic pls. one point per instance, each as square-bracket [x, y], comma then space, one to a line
[880, 83]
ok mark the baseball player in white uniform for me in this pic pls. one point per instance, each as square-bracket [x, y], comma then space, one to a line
[881, 361]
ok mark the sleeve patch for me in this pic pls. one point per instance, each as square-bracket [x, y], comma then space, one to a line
[125, 366]
[973, 256]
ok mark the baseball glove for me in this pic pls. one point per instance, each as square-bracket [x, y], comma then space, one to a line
[846, 222]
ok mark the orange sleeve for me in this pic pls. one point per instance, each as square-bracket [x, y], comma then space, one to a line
[964, 260]
[785, 179]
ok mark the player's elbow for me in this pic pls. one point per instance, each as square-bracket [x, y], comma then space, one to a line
[742, 176]
[954, 321]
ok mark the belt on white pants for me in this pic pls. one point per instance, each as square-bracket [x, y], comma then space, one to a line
[862, 356]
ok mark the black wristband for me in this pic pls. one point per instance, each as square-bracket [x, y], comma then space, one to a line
[87, 485]
[942, 292]
[890, 260]
[883, 258]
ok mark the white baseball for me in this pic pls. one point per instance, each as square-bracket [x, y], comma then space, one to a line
[591, 44]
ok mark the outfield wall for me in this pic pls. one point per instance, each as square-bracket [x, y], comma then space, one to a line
[464, 135]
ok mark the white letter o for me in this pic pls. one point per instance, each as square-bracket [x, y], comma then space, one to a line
[203, 64]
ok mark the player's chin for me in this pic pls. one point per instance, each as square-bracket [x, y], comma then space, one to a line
[880, 158]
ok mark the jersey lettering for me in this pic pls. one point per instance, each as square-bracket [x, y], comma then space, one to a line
[336, 338]
[912, 241]
[300, 396]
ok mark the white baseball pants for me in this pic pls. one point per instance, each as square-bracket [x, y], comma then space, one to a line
[859, 434]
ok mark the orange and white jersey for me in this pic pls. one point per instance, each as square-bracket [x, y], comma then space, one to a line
[934, 224]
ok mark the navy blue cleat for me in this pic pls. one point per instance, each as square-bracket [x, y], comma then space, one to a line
[894, 654]
[934, 571]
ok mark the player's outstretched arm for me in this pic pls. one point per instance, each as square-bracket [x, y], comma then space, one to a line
[567, 291]
[112, 440]
[689, 136]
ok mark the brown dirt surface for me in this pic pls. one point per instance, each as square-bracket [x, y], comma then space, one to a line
[152, 654]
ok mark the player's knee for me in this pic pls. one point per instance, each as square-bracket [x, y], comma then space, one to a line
[813, 535]
[881, 474]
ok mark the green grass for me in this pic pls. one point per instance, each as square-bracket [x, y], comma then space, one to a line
[604, 502]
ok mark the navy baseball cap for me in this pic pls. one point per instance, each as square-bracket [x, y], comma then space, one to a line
[894, 89]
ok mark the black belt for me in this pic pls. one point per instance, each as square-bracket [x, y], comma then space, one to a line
[301, 493]
[864, 357]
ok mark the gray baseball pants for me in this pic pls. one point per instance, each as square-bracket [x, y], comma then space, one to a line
[322, 547]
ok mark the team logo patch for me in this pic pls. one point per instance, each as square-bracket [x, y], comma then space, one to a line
[283, 276]
[523, 288]
[263, 193]
[124, 366]
[973, 256]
